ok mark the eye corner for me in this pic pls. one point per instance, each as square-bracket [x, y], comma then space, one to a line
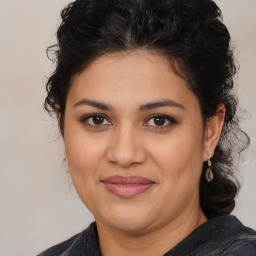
[95, 120]
[164, 121]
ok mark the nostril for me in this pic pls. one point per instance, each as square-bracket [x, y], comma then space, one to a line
[126, 157]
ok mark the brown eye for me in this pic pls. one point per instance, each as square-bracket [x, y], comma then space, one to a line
[159, 121]
[95, 120]
[98, 120]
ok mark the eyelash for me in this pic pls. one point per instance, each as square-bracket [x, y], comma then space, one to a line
[85, 119]
[171, 121]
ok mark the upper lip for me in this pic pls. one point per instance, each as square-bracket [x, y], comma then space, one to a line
[127, 180]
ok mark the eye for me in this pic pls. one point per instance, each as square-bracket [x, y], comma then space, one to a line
[95, 120]
[160, 121]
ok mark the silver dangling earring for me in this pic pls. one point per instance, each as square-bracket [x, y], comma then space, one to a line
[208, 173]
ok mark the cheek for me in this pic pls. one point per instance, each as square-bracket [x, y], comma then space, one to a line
[179, 157]
[81, 154]
[84, 159]
[84, 154]
[179, 165]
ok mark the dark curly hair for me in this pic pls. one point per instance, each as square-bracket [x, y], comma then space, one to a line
[188, 33]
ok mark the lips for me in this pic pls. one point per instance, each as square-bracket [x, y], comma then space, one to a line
[127, 186]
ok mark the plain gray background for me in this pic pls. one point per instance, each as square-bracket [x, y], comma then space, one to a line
[39, 207]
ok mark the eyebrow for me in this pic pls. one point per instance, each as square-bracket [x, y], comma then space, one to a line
[157, 104]
[145, 107]
[94, 104]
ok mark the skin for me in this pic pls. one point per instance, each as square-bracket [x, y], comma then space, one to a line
[129, 141]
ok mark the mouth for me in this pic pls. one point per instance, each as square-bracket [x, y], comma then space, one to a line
[127, 186]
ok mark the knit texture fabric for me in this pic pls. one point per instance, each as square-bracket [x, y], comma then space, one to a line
[221, 236]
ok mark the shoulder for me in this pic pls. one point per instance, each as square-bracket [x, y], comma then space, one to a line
[242, 244]
[235, 239]
[61, 248]
[222, 236]
[85, 241]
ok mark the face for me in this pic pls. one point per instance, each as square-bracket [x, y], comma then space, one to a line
[134, 141]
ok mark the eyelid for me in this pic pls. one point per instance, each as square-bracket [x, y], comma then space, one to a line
[86, 117]
[171, 120]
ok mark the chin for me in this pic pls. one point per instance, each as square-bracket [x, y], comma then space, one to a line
[131, 226]
[129, 220]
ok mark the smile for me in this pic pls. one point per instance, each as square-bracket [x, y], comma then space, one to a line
[127, 187]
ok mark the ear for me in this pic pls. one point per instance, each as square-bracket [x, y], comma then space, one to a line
[213, 131]
[58, 116]
[57, 113]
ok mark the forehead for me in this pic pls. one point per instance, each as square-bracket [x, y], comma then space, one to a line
[138, 77]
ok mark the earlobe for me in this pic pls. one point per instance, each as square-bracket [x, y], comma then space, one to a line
[58, 116]
[57, 113]
[213, 131]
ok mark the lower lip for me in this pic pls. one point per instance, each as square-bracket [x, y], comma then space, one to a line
[128, 190]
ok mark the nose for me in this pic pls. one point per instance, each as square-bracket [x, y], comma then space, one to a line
[126, 147]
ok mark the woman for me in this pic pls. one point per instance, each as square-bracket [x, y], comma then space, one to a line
[143, 96]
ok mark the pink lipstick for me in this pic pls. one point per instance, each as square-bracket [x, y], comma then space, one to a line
[127, 186]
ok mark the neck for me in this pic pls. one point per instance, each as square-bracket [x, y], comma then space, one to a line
[155, 242]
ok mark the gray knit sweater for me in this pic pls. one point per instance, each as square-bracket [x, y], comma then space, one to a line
[221, 236]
